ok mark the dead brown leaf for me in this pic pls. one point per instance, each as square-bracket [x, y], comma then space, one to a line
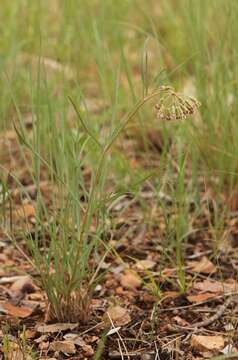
[180, 321]
[170, 294]
[207, 343]
[16, 311]
[65, 346]
[167, 273]
[117, 315]
[130, 280]
[78, 340]
[145, 264]
[55, 328]
[200, 297]
[204, 266]
[23, 285]
[42, 338]
[10, 279]
[30, 334]
[217, 287]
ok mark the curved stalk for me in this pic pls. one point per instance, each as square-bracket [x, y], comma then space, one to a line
[98, 174]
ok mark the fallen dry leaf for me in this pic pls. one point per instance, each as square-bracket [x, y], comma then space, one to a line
[130, 280]
[217, 286]
[23, 285]
[167, 273]
[207, 343]
[9, 279]
[42, 338]
[88, 350]
[16, 311]
[148, 298]
[78, 340]
[204, 266]
[119, 290]
[170, 294]
[200, 297]
[30, 334]
[145, 264]
[117, 315]
[54, 328]
[180, 321]
[65, 346]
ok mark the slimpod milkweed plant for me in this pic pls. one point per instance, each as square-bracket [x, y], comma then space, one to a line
[67, 270]
[171, 106]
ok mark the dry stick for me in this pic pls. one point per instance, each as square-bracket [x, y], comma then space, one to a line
[216, 316]
[211, 319]
[198, 303]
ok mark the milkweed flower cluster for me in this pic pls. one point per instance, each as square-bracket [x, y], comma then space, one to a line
[174, 106]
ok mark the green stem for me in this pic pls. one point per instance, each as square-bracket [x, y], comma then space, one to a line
[106, 149]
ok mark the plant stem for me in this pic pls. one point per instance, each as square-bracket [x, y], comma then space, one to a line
[106, 149]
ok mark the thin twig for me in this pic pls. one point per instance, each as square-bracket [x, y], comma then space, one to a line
[211, 319]
[216, 316]
[198, 303]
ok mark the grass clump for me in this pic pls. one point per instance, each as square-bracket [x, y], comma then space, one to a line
[68, 245]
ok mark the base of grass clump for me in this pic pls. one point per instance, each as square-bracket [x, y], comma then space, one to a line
[74, 308]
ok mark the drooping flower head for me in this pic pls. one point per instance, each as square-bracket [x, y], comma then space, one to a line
[174, 106]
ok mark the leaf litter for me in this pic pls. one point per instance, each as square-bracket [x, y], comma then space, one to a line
[136, 314]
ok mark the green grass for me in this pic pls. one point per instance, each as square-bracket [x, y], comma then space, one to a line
[95, 53]
[18, 346]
